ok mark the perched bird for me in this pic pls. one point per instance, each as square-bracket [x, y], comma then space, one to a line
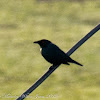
[54, 54]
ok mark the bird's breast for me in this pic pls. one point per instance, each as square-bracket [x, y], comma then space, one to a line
[48, 54]
[41, 49]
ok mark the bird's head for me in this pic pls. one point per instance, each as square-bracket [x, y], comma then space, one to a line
[43, 43]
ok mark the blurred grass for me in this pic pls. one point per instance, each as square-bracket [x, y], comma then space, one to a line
[64, 23]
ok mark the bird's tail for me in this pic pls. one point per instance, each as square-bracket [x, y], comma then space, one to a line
[73, 61]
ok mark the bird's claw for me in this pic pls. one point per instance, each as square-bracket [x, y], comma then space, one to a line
[50, 68]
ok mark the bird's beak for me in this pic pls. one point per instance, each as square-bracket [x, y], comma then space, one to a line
[36, 42]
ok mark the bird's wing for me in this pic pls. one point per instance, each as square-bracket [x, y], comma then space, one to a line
[58, 54]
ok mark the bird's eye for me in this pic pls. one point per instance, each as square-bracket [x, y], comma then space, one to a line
[43, 42]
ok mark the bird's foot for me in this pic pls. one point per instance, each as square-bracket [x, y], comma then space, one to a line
[51, 67]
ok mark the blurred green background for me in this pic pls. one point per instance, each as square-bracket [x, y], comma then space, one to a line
[63, 22]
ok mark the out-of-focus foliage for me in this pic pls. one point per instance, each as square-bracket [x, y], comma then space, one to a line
[64, 23]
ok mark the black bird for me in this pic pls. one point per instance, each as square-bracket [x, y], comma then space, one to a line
[54, 54]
